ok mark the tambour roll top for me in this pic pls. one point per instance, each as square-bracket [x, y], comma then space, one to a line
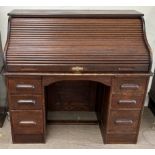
[77, 41]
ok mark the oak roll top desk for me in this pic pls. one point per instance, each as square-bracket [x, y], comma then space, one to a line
[76, 61]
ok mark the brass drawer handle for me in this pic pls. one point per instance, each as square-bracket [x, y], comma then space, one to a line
[127, 102]
[77, 69]
[26, 102]
[124, 121]
[130, 86]
[27, 122]
[29, 86]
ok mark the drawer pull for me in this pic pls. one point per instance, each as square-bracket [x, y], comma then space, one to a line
[29, 86]
[77, 69]
[124, 121]
[28, 122]
[130, 86]
[26, 102]
[127, 102]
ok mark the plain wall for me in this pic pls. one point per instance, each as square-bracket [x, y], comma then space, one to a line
[149, 15]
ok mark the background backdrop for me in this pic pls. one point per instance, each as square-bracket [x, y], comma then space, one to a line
[149, 15]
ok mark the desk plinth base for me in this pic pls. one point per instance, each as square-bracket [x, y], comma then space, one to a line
[30, 138]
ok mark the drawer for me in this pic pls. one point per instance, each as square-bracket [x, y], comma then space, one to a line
[25, 102]
[123, 121]
[27, 122]
[25, 85]
[127, 101]
[129, 85]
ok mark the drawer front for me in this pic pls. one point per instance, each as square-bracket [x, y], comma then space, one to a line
[27, 122]
[123, 121]
[127, 101]
[25, 102]
[129, 85]
[27, 86]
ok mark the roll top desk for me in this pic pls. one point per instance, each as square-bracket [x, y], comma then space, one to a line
[76, 61]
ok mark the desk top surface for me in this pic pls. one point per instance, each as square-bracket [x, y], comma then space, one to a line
[76, 13]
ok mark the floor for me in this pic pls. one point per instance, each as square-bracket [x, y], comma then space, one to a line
[82, 136]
